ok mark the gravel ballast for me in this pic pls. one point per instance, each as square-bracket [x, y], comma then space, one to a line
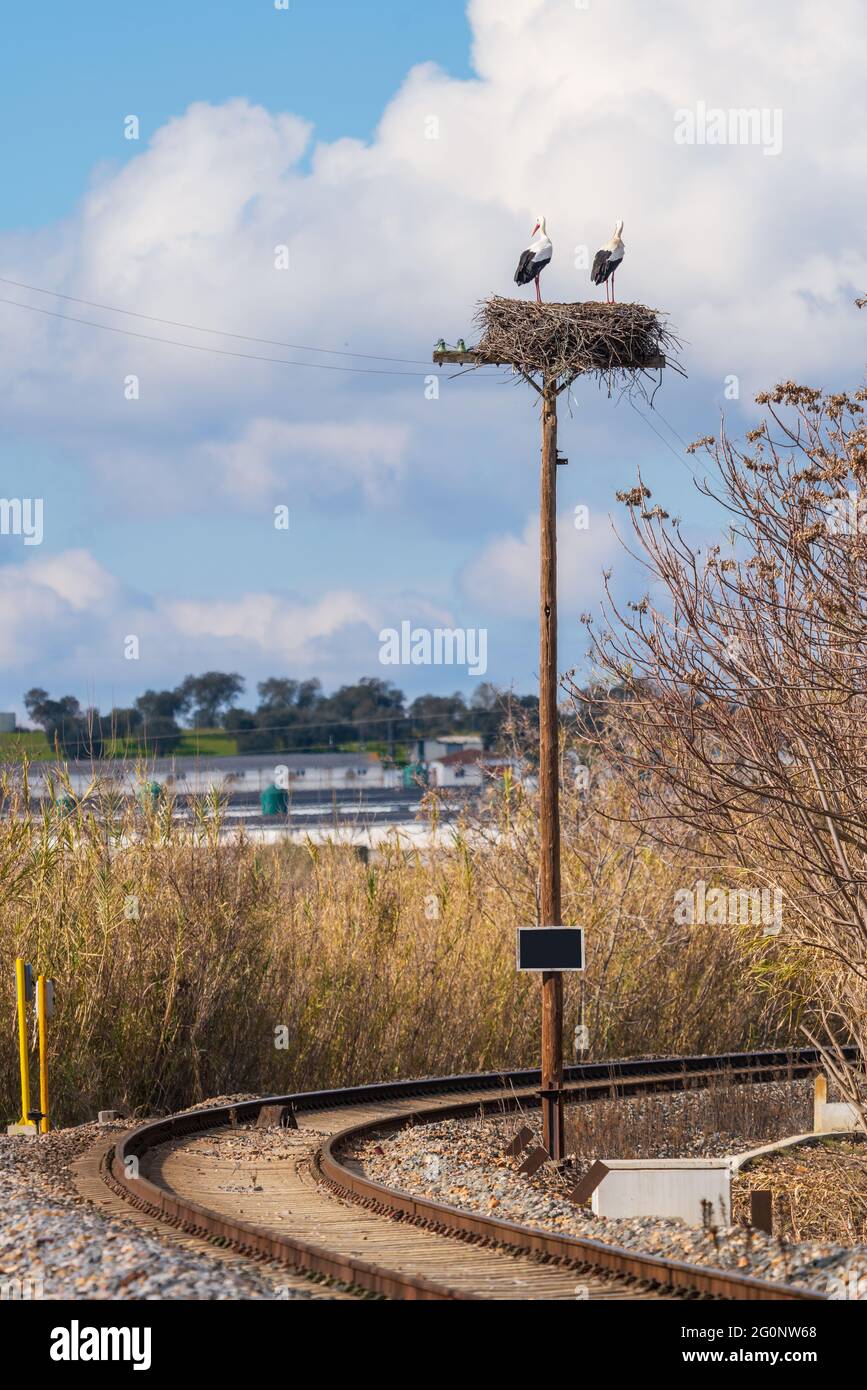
[462, 1164]
[54, 1245]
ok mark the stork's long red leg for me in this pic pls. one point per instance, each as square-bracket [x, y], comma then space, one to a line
[538, 294]
[613, 296]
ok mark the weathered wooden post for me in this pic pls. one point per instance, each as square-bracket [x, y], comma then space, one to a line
[556, 343]
[549, 779]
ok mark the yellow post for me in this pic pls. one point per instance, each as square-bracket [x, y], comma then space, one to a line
[41, 1015]
[23, 1055]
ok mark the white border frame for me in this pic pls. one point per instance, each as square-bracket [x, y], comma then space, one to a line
[546, 970]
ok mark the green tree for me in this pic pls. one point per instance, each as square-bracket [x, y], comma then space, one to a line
[366, 710]
[430, 715]
[276, 691]
[164, 704]
[77, 733]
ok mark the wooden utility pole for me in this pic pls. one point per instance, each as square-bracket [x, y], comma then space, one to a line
[549, 777]
[549, 733]
[549, 751]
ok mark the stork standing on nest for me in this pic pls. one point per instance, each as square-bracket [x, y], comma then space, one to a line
[607, 261]
[535, 258]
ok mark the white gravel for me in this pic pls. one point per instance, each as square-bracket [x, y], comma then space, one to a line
[461, 1163]
[54, 1245]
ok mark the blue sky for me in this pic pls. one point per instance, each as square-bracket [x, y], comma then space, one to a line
[74, 68]
[400, 153]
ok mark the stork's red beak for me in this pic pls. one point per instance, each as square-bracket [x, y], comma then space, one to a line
[535, 229]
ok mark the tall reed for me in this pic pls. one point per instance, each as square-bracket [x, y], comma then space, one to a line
[192, 962]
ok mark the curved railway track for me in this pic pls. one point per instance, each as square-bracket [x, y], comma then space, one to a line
[315, 1213]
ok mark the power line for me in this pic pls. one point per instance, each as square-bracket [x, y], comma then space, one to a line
[197, 328]
[670, 426]
[200, 347]
[681, 458]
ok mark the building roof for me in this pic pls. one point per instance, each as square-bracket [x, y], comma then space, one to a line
[235, 762]
[466, 755]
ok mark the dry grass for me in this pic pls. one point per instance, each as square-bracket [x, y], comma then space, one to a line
[182, 956]
[563, 340]
[819, 1192]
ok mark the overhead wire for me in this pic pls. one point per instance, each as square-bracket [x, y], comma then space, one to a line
[220, 352]
[198, 328]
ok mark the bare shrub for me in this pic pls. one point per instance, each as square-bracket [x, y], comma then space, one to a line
[736, 704]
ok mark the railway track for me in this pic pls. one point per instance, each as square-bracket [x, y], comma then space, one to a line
[312, 1213]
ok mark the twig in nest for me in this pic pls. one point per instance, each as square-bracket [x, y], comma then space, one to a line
[567, 340]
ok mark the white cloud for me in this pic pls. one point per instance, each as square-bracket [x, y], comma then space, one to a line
[310, 459]
[391, 244]
[43, 603]
[286, 630]
[270, 460]
[75, 577]
[67, 620]
[504, 577]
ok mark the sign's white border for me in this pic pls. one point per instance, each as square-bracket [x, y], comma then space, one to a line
[545, 970]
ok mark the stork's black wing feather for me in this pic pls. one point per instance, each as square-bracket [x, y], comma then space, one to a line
[601, 267]
[526, 270]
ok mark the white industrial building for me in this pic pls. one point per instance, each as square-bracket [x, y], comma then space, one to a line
[468, 767]
[240, 773]
[441, 747]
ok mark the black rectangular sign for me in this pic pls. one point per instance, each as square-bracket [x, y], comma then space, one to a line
[550, 948]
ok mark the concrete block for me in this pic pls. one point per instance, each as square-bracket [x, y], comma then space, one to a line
[22, 1129]
[674, 1187]
[105, 1117]
[836, 1116]
[679, 1187]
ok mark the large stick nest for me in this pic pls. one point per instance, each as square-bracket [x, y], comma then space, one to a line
[566, 340]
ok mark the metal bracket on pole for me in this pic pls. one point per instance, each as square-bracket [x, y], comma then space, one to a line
[23, 995]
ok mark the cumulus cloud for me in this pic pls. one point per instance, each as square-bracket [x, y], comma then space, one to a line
[74, 618]
[44, 602]
[74, 577]
[312, 459]
[269, 460]
[56, 598]
[288, 630]
[504, 577]
[390, 242]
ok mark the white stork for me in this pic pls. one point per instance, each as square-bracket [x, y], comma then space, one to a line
[607, 261]
[535, 258]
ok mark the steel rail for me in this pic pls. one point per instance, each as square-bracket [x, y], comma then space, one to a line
[439, 1098]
